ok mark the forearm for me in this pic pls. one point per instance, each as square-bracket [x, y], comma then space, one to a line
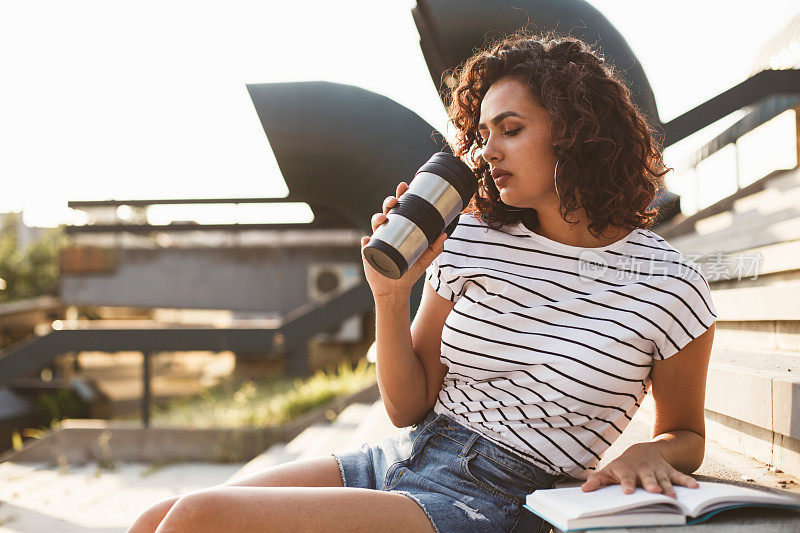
[401, 376]
[682, 449]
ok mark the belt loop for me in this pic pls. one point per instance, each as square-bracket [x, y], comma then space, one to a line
[465, 450]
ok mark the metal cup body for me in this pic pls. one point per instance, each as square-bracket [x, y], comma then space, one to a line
[429, 205]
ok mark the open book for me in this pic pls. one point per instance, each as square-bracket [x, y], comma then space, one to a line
[571, 509]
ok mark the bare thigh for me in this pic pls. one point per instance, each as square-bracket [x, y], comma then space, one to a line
[267, 509]
[316, 472]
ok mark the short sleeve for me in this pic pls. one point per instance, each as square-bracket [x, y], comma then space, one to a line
[443, 273]
[689, 313]
[441, 277]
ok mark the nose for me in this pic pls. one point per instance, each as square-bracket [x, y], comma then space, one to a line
[490, 152]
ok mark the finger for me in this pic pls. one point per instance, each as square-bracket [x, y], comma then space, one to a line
[628, 482]
[594, 482]
[376, 220]
[666, 484]
[401, 188]
[679, 478]
[649, 482]
[388, 203]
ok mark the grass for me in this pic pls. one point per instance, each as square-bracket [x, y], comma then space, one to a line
[263, 403]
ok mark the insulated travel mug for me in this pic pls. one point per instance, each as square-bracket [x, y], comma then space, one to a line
[440, 190]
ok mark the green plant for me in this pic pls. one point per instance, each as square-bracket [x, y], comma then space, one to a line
[32, 271]
[58, 405]
[264, 403]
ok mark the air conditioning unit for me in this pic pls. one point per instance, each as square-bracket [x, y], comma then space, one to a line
[327, 279]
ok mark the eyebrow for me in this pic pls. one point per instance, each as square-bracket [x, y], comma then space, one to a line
[496, 120]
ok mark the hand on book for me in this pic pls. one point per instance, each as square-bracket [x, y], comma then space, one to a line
[640, 464]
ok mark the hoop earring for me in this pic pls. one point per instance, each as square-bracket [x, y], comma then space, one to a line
[555, 182]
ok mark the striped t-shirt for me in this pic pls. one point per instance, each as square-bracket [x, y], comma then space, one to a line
[549, 346]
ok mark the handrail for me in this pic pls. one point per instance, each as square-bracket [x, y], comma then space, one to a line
[764, 84]
[294, 331]
[290, 338]
[765, 111]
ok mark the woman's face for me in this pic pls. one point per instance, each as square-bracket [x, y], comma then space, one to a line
[516, 134]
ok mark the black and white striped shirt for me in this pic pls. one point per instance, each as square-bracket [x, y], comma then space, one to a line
[550, 346]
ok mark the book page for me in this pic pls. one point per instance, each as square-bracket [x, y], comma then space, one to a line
[710, 494]
[572, 502]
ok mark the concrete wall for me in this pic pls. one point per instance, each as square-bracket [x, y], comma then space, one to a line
[264, 280]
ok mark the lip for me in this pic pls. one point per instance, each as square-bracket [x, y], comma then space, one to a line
[502, 179]
[500, 176]
[497, 172]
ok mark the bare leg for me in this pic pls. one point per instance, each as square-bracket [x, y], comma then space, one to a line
[317, 472]
[304, 509]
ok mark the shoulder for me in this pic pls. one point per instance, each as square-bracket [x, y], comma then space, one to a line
[470, 223]
[647, 245]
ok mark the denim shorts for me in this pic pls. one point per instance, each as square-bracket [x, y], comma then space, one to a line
[462, 481]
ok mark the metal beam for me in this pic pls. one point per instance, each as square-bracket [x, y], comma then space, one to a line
[765, 84]
[143, 229]
[290, 338]
[83, 204]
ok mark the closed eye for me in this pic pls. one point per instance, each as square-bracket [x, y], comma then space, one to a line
[509, 133]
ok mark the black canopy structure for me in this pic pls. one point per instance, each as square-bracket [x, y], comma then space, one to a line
[451, 30]
[340, 148]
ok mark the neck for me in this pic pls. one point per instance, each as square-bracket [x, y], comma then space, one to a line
[548, 223]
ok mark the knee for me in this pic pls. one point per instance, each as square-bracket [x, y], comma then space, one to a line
[149, 520]
[192, 512]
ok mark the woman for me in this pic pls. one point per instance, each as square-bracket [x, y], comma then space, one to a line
[537, 336]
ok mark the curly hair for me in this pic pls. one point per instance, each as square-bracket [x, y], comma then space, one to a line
[604, 144]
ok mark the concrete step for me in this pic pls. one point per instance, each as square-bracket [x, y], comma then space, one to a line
[273, 456]
[375, 427]
[762, 231]
[782, 335]
[321, 439]
[315, 441]
[41, 497]
[777, 362]
[758, 317]
[768, 302]
[762, 265]
[753, 404]
[760, 219]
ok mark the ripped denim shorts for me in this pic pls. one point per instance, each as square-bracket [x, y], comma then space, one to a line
[462, 481]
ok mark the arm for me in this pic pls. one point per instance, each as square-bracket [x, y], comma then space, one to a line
[410, 374]
[678, 443]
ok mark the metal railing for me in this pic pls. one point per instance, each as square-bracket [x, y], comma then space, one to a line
[769, 93]
[289, 340]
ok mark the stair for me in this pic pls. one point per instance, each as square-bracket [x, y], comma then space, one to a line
[357, 423]
[766, 217]
[753, 387]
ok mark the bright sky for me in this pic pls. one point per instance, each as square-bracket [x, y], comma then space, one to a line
[125, 100]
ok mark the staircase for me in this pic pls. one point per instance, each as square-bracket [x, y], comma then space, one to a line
[753, 391]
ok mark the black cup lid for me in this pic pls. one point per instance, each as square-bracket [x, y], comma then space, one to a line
[455, 171]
